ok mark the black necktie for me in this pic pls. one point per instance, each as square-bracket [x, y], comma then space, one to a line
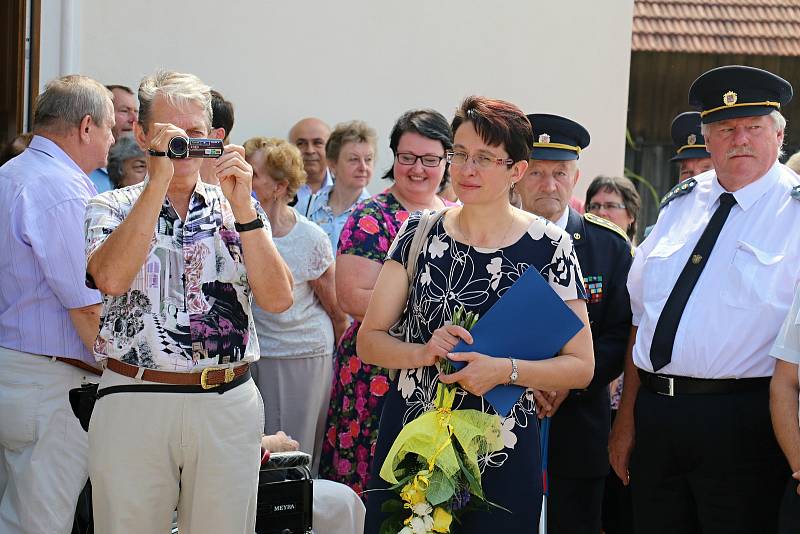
[667, 326]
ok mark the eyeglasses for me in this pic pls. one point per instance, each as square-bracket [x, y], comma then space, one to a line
[428, 160]
[457, 159]
[597, 206]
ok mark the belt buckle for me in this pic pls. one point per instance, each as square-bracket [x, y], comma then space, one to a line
[670, 386]
[229, 376]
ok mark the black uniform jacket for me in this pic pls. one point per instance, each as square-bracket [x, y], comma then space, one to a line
[579, 429]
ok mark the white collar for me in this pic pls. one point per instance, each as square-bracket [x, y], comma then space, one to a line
[562, 221]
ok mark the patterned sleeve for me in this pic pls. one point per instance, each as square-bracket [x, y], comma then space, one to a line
[563, 273]
[399, 249]
[366, 232]
[261, 215]
[103, 215]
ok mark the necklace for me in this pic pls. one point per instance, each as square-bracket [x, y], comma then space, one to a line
[469, 241]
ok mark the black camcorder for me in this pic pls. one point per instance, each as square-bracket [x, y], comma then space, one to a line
[186, 147]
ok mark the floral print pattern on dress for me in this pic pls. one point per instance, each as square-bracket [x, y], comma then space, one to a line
[358, 389]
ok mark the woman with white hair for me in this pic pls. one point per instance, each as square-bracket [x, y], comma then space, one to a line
[126, 163]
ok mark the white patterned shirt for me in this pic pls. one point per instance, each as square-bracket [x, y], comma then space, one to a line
[189, 307]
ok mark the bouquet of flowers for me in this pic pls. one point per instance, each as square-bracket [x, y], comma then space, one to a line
[433, 463]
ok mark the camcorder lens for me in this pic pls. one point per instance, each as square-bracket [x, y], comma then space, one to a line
[178, 147]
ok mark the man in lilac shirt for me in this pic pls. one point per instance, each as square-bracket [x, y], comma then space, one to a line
[48, 318]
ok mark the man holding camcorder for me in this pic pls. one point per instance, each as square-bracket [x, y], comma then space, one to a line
[178, 420]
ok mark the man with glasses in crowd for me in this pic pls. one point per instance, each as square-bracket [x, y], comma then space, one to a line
[578, 454]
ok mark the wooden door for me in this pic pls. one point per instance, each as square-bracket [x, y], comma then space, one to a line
[19, 64]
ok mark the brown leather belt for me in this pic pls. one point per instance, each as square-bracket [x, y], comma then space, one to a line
[209, 378]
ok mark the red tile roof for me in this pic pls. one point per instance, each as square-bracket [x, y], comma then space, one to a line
[752, 27]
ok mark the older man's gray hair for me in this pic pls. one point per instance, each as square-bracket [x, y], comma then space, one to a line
[124, 149]
[67, 100]
[177, 88]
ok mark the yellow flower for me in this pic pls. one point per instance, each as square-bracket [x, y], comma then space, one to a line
[441, 520]
[412, 495]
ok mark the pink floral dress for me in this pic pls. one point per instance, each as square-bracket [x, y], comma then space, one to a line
[358, 389]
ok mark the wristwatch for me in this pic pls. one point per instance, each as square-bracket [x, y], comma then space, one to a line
[252, 225]
[512, 379]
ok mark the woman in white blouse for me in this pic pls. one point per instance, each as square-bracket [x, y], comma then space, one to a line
[294, 371]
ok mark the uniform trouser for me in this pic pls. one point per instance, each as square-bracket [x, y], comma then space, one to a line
[43, 449]
[706, 463]
[574, 505]
[153, 452]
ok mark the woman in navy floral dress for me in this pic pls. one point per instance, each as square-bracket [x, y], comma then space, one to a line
[419, 141]
[470, 258]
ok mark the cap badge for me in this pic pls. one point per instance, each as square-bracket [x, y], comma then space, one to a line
[692, 139]
[544, 138]
[729, 98]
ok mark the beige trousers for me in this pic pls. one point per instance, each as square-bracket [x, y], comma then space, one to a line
[43, 449]
[152, 452]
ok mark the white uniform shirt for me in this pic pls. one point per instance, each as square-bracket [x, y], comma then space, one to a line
[745, 290]
[563, 220]
[787, 344]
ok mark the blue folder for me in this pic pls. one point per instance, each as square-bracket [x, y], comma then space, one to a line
[529, 322]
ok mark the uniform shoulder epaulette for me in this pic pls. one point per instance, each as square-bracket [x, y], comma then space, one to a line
[683, 188]
[795, 192]
[605, 223]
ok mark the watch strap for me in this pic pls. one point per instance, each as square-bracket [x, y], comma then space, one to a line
[252, 225]
[512, 379]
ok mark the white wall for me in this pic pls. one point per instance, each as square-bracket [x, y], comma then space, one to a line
[280, 61]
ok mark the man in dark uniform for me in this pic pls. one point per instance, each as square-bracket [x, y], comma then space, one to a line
[709, 289]
[690, 152]
[690, 146]
[578, 454]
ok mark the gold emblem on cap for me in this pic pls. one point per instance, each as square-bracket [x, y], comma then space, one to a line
[544, 138]
[697, 258]
[729, 98]
[692, 139]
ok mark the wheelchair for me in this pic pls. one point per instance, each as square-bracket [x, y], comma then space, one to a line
[285, 498]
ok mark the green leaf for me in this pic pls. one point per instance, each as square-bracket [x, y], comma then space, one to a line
[473, 479]
[456, 320]
[392, 525]
[440, 489]
[392, 506]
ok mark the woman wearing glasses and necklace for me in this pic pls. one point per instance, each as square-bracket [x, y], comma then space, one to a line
[419, 141]
[470, 257]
